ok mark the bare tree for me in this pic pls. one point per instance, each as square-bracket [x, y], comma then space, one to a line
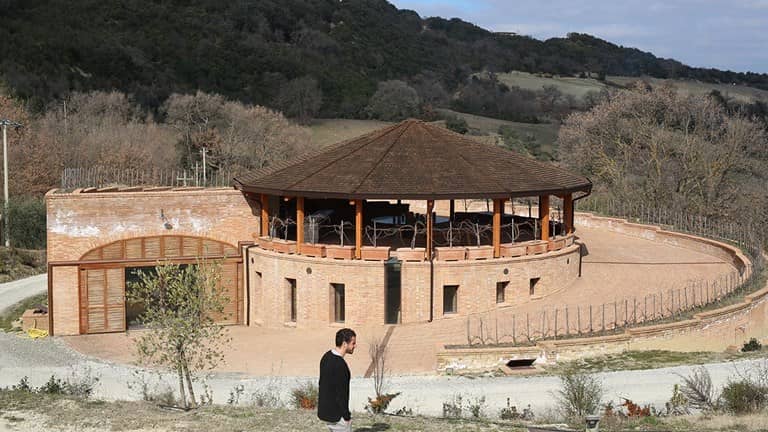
[300, 99]
[663, 149]
[378, 355]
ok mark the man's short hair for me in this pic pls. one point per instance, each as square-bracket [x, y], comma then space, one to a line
[344, 335]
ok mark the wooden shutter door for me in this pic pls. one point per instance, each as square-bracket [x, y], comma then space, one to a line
[104, 300]
[229, 278]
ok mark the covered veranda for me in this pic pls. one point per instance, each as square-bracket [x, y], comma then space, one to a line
[414, 191]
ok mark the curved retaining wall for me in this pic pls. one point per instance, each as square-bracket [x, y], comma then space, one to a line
[714, 330]
[719, 250]
[364, 283]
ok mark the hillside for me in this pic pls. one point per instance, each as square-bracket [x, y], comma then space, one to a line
[247, 50]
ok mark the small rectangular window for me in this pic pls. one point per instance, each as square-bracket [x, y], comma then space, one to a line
[501, 291]
[450, 299]
[291, 296]
[337, 291]
[533, 283]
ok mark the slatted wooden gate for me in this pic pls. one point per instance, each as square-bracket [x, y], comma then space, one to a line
[102, 300]
[102, 283]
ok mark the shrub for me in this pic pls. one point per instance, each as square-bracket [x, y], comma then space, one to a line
[456, 124]
[635, 410]
[380, 403]
[752, 345]
[744, 396]
[27, 222]
[235, 394]
[678, 403]
[305, 396]
[23, 385]
[511, 413]
[698, 390]
[579, 394]
[394, 101]
[267, 397]
[453, 407]
[477, 407]
[52, 386]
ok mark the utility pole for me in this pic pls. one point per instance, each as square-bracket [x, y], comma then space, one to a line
[7, 232]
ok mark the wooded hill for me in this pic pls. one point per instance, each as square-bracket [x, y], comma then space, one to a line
[246, 50]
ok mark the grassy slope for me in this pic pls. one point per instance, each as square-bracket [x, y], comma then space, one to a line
[330, 131]
[578, 87]
[20, 263]
[738, 92]
[653, 359]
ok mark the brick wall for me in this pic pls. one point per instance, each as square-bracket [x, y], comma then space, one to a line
[79, 222]
[364, 286]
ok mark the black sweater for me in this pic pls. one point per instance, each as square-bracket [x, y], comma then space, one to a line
[333, 396]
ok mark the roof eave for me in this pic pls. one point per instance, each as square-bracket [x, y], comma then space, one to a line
[410, 196]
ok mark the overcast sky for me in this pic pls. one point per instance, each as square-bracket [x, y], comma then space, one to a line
[721, 34]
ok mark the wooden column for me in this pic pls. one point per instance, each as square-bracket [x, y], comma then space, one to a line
[264, 215]
[358, 229]
[568, 213]
[498, 210]
[453, 210]
[430, 207]
[544, 216]
[299, 223]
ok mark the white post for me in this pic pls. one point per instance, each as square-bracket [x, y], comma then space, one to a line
[5, 185]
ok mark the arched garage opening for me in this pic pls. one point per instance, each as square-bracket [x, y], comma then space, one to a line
[103, 273]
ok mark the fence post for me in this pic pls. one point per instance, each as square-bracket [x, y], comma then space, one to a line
[578, 320]
[528, 325]
[626, 312]
[603, 319]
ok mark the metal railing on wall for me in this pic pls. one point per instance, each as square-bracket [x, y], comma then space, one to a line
[666, 303]
[99, 177]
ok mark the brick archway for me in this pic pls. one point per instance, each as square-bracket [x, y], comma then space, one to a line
[102, 274]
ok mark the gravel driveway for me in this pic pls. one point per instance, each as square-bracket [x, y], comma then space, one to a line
[39, 359]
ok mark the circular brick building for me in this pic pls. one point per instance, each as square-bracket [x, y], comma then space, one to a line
[409, 223]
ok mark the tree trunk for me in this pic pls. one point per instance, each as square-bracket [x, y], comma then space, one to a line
[189, 381]
[182, 395]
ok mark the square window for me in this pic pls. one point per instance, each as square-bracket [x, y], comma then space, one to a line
[450, 299]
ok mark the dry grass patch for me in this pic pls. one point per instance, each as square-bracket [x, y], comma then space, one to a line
[61, 413]
[652, 359]
[331, 131]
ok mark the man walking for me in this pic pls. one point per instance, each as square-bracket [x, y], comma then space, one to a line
[333, 396]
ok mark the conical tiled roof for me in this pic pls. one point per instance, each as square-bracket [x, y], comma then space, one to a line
[412, 160]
